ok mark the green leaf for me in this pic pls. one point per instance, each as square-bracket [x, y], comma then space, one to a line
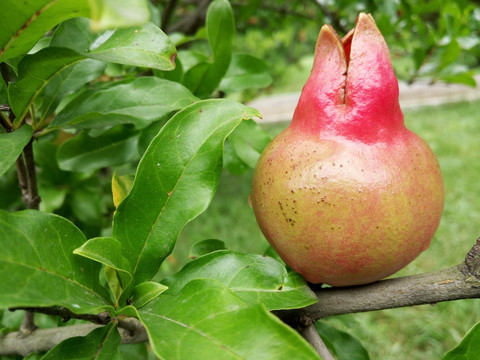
[175, 181]
[468, 348]
[25, 22]
[74, 34]
[207, 317]
[246, 72]
[205, 247]
[34, 73]
[38, 266]
[106, 251]
[449, 54]
[145, 292]
[140, 101]
[248, 142]
[145, 46]
[100, 344]
[107, 14]
[205, 77]
[11, 146]
[65, 83]
[345, 346]
[254, 278]
[85, 153]
[220, 25]
[458, 74]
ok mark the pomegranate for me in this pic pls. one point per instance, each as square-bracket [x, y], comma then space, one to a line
[346, 194]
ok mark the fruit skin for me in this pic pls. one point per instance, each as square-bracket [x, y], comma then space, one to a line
[347, 195]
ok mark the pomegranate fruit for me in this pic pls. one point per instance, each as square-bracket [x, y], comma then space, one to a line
[346, 194]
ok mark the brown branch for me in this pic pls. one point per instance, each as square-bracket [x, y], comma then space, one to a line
[455, 283]
[167, 14]
[27, 181]
[311, 335]
[32, 199]
[28, 324]
[27, 178]
[100, 319]
[43, 340]
[189, 24]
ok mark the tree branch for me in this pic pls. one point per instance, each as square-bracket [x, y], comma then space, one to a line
[311, 335]
[189, 24]
[100, 319]
[45, 339]
[167, 14]
[455, 283]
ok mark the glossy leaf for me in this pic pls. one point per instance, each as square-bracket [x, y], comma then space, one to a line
[175, 181]
[74, 34]
[121, 185]
[107, 14]
[145, 292]
[254, 278]
[31, 276]
[207, 317]
[246, 72]
[468, 348]
[65, 83]
[220, 26]
[344, 345]
[100, 344]
[205, 247]
[145, 46]
[85, 153]
[140, 101]
[11, 146]
[106, 251]
[205, 77]
[24, 23]
[34, 73]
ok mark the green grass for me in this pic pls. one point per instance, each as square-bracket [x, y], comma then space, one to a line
[422, 332]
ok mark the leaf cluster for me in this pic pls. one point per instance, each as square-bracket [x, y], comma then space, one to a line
[103, 94]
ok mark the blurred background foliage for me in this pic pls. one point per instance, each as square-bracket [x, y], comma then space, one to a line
[435, 40]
